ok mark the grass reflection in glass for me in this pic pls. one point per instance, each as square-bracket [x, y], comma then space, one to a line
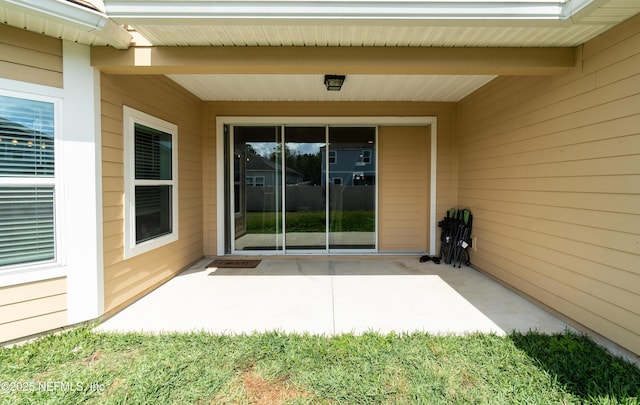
[312, 221]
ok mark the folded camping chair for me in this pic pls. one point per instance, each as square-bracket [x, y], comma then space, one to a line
[463, 239]
[455, 237]
[449, 227]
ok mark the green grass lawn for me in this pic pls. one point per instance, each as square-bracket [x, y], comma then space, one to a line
[85, 367]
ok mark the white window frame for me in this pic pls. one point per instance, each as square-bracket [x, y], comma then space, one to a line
[42, 270]
[131, 117]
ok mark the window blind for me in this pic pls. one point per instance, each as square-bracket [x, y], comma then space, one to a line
[27, 225]
[26, 138]
[152, 154]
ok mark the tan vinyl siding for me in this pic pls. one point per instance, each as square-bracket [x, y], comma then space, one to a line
[446, 191]
[127, 280]
[32, 308]
[550, 167]
[30, 57]
[403, 191]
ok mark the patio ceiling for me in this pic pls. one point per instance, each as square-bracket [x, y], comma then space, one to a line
[328, 23]
[442, 88]
[362, 23]
[296, 73]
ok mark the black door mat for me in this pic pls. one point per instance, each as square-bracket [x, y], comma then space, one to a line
[233, 264]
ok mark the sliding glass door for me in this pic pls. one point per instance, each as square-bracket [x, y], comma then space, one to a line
[257, 189]
[303, 189]
[351, 176]
[305, 192]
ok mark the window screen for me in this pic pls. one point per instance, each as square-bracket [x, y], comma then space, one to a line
[153, 154]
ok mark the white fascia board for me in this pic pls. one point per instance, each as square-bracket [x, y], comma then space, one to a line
[173, 12]
[75, 16]
[63, 11]
[577, 9]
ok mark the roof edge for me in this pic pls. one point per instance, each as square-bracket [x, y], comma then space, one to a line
[79, 16]
[170, 10]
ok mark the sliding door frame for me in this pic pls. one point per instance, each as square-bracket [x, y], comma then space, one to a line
[222, 121]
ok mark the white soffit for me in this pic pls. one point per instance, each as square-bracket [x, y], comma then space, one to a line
[440, 88]
[368, 35]
[474, 23]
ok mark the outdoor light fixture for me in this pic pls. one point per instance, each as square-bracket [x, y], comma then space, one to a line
[334, 82]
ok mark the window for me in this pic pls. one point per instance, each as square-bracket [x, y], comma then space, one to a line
[254, 181]
[332, 157]
[366, 156]
[151, 216]
[28, 189]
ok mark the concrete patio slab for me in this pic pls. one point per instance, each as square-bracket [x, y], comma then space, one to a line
[329, 295]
